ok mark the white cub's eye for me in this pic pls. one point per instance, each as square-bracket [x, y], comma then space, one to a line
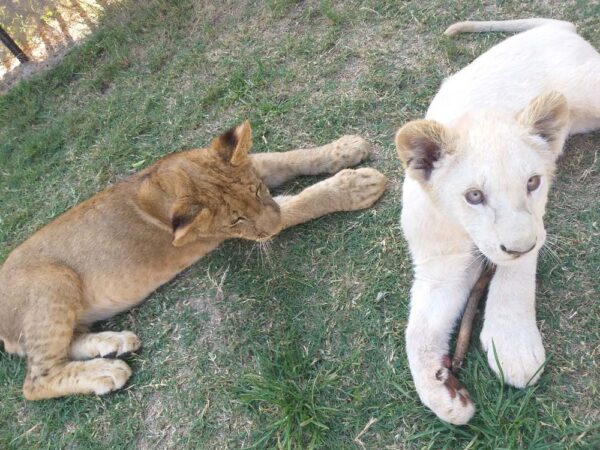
[474, 197]
[533, 183]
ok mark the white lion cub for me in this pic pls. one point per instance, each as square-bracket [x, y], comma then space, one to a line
[478, 170]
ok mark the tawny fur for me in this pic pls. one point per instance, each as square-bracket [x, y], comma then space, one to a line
[108, 253]
[495, 128]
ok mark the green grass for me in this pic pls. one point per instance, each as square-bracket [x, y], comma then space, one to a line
[305, 348]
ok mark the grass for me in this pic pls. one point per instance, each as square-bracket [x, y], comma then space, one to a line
[288, 389]
[304, 349]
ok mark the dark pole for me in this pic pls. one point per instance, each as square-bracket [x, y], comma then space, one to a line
[12, 46]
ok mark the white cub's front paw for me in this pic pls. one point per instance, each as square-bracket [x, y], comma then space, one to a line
[441, 391]
[347, 151]
[519, 350]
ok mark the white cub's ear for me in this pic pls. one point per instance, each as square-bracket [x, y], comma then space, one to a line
[547, 116]
[420, 144]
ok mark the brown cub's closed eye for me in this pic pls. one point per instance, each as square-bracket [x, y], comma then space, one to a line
[238, 220]
[474, 197]
[261, 191]
[533, 183]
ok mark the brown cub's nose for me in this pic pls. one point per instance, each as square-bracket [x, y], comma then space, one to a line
[516, 253]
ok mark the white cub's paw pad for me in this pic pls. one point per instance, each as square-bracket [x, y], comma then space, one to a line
[519, 350]
[441, 391]
[348, 151]
[359, 188]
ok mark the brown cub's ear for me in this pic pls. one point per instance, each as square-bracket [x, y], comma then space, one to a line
[152, 199]
[188, 218]
[234, 145]
[547, 116]
[420, 144]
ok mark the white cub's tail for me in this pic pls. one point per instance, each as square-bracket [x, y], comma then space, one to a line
[503, 25]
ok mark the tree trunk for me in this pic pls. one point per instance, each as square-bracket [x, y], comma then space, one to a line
[12, 46]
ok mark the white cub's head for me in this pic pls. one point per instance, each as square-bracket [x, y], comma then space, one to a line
[491, 172]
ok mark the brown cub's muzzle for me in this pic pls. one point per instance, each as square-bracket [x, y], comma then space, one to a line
[269, 222]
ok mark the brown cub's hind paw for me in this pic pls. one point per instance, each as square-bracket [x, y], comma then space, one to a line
[347, 151]
[110, 377]
[360, 188]
[108, 344]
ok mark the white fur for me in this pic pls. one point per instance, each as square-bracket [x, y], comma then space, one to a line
[496, 152]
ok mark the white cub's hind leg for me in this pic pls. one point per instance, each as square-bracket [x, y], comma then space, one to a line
[582, 87]
[108, 344]
[510, 333]
[437, 299]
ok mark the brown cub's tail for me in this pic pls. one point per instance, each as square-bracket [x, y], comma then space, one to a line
[509, 26]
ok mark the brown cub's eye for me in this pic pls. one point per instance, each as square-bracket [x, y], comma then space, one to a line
[533, 183]
[261, 191]
[238, 220]
[474, 197]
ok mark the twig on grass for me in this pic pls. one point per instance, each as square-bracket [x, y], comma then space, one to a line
[372, 421]
[466, 324]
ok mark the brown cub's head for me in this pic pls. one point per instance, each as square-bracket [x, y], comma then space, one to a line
[211, 193]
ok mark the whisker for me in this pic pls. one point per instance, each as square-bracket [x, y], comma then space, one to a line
[264, 248]
[560, 245]
[478, 259]
[558, 238]
[250, 253]
[557, 242]
[547, 250]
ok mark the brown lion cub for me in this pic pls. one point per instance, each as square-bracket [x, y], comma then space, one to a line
[108, 253]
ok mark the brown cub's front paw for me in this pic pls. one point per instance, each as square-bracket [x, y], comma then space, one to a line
[347, 151]
[358, 189]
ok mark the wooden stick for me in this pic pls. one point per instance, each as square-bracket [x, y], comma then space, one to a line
[14, 48]
[466, 323]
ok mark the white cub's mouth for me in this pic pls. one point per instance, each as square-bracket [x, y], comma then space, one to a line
[517, 252]
[503, 255]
